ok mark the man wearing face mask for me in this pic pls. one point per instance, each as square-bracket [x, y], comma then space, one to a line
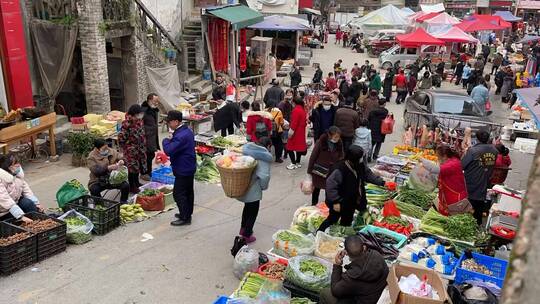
[322, 117]
[132, 140]
[151, 131]
[345, 188]
[180, 147]
[347, 120]
[101, 161]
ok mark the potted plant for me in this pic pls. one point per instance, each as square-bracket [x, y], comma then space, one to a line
[81, 144]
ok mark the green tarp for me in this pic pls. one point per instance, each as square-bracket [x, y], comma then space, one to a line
[239, 16]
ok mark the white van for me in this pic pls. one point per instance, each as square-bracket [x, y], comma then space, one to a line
[382, 34]
[406, 56]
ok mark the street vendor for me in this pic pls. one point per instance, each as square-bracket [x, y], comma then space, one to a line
[227, 116]
[364, 279]
[101, 162]
[218, 88]
[345, 188]
[16, 197]
[452, 190]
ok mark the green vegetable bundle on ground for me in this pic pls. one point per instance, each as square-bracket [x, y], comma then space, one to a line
[410, 210]
[376, 196]
[309, 272]
[422, 199]
[207, 171]
[340, 231]
[221, 142]
[250, 286]
[78, 227]
[458, 227]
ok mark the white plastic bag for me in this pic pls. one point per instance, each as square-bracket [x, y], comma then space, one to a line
[246, 260]
[327, 247]
[307, 219]
[118, 176]
[307, 185]
[421, 178]
[288, 243]
[273, 292]
[79, 227]
[308, 279]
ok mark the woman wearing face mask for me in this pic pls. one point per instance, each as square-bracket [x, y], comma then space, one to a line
[132, 140]
[327, 151]
[345, 188]
[296, 145]
[101, 161]
[16, 197]
[322, 117]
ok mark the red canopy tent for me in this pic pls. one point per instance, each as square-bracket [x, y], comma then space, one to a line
[483, 23]
[426, 17]
[455, 34]
[417, 38]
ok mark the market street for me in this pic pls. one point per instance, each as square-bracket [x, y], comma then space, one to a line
[190, 264]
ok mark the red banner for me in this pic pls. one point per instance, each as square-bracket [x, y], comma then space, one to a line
[218, 34]
[243, 51]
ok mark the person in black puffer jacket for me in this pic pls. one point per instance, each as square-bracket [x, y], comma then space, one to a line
[151, 131]
[375, 119]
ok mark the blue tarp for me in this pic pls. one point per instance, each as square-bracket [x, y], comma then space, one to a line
[281, 23]
[507, 16]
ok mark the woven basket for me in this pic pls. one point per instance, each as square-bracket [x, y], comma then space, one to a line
[235, 182]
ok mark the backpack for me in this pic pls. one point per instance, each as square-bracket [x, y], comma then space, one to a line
[260, 128]
[275, 132]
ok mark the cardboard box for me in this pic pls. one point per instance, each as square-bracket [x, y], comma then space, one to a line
[399, 270]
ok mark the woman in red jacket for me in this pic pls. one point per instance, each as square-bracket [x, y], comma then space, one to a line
[258, 124]
[296, 145]
[452, 188]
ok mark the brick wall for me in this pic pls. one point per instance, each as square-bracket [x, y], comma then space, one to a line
[94, 57]
[144, 58]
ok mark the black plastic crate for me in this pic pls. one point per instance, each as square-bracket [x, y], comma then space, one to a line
[103, 213]
[299, 292]
[50, 242]
[17, 255]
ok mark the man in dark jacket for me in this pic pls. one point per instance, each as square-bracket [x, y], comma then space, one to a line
[180, 147]
[355, 89]
[347, 120]
[317, 77]
[478, 164]
[274, 95]
[322, 117]
[151, 131]
[375, 119]
[364, 279]
[219, 91]
[296, 77]
[227, 116]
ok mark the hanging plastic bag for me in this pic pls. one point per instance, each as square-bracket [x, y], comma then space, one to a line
[423, 179]
[246, 260]
[307, 219]
[315, 275]
[79, 227]
[387, 125]
[307, 185]
[118, 176]
[327, 247]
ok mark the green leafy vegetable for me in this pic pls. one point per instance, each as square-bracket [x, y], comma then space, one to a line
[312, 266]
[434, 222]
[207, 171]
[416, 197]
[462, 227]
[410, 210]
[341, 231]
[221, 142]
[395, 220]
[149, 192]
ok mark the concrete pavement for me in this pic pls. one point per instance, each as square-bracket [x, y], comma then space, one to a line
[180, 265]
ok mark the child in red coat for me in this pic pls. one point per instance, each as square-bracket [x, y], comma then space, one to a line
[502, 164]
[258, 116]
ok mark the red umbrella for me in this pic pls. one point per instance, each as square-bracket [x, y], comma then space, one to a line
[417, 38]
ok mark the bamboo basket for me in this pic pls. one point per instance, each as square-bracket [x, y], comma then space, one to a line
[236, 182]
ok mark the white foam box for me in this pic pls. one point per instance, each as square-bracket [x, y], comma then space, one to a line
[526, 145]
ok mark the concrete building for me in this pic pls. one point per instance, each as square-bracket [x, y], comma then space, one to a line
[117, 40]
